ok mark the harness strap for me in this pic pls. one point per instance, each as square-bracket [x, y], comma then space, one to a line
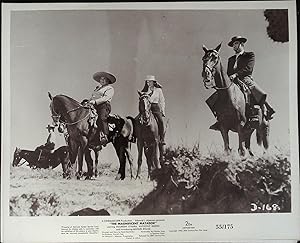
[40, 155]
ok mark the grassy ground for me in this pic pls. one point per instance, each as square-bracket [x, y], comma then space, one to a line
[191, 182]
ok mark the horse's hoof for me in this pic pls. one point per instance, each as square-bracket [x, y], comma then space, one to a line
[118, 177]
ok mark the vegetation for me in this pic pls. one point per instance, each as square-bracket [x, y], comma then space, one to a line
[190, 182]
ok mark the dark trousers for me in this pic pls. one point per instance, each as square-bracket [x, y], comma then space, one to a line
[158, 115]
[103, 111]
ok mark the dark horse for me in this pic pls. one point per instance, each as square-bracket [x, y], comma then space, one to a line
[41, 159]
[119, 137]
[231, 104]
[81, 134]
[75, 117]
[147, 136]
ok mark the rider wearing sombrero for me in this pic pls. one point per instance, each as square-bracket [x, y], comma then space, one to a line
[157, 100]
[239, 69]
[101, 98]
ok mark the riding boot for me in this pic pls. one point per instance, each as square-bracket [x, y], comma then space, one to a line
[215, 126]
[270, 111]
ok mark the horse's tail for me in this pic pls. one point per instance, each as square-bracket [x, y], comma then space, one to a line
[133, 124]
[262, 134]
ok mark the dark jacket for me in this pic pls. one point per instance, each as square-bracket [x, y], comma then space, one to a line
[245, 65]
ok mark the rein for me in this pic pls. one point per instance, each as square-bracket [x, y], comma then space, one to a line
[212, 69]
[146, 121]
[58, 116]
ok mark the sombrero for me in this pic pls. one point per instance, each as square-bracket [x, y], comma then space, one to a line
[110, 77]
[237, 38]
[152, 78]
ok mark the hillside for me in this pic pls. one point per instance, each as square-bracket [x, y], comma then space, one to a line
[189, 183]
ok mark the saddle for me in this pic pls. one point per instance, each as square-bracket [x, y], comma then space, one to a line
[252, 109]
[245, 90]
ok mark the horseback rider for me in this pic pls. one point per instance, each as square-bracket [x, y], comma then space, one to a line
[239, 69]
[101, 98]
[49, 146]
[157, 101]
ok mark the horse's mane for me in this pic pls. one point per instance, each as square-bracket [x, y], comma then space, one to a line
[65, 97]
[223, 72]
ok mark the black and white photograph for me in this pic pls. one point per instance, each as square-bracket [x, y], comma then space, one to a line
[151, 119]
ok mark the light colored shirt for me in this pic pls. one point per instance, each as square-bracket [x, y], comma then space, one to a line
[236, 58]
[103, 94]
[158, 97]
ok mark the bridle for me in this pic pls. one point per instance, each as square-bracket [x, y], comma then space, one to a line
[56, 117]
[212, 70]
[146, 117]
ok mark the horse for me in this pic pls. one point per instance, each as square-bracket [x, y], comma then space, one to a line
[121, 137]
[82, 136]
[231, 106]
[75, 117]
[41, 159]
[147, 136]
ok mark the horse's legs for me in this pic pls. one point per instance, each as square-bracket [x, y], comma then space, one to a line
[248, 143]
[81, 151]
[96, 162]
[241, 140]
[140, 147]
[130, 159]
[89, 163]
[122, 159]
[73, 146]
[161, 154]
[149, 160]
[156, 155]
[225, 137]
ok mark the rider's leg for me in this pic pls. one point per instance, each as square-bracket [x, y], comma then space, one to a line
[158, 114]
[103, 112]
[161, 129]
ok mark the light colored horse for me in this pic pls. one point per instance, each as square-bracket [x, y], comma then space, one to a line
[147, 136]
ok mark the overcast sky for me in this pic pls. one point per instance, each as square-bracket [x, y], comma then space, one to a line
[59, 51]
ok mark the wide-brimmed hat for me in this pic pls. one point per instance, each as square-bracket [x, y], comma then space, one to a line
[152, 78]
[237, 38]
[50, 126]
[110, 77]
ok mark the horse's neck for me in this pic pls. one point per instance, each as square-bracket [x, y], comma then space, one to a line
[70, 109]
[27, 154]
[221, 78]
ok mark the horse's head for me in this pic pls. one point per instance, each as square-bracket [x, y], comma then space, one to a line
[54, 112]
[144, 107]
[210, 60]
[17, 157]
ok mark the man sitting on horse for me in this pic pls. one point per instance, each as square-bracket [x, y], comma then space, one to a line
[239, 69]
[49, 146]
[101, 98]
[157, 101]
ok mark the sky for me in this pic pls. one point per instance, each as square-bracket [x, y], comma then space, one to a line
[59, 51]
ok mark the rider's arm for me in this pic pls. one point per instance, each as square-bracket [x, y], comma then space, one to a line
[162, 102]
[107, 96]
